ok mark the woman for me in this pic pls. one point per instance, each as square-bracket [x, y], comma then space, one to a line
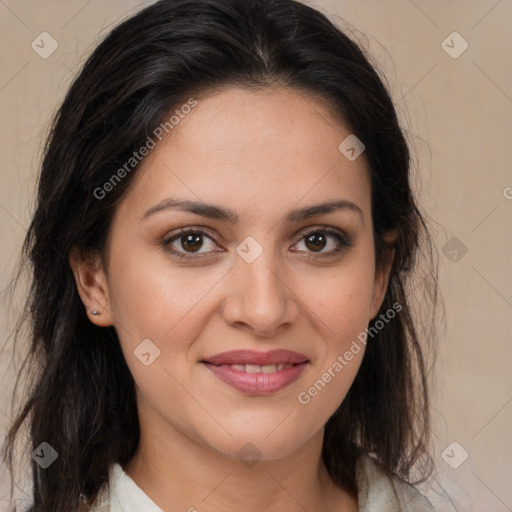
[221, 247]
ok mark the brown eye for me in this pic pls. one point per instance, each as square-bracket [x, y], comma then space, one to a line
[188, 242]
[316, 241]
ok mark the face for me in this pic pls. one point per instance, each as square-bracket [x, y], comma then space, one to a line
[261, 273]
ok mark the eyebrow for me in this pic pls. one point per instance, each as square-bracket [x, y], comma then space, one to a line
[212, 211]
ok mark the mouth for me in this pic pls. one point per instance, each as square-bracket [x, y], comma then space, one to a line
[256, 368]
[257, 373]
[254, 358]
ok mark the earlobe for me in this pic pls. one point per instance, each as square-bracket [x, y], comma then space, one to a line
[91, 284]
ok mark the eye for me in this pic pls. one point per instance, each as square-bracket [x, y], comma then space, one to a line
[318, 239]
[190, 240]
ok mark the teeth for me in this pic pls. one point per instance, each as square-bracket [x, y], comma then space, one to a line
[256, 368]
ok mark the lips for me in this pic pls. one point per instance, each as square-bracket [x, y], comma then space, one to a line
[257, 373]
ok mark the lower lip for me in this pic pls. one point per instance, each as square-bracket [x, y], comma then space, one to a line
[257, 383]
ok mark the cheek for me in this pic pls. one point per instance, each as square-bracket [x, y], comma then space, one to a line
[152, 298]
[341, 301]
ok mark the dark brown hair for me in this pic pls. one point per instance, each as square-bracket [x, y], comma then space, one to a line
[81, 397]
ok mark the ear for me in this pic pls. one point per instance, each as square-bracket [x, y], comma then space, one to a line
[92, 286]
[380, 284]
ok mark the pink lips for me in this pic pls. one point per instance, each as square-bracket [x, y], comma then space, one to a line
[239, 369]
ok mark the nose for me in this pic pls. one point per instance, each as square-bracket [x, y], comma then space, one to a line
[259, 299]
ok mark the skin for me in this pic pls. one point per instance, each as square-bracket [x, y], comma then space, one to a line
[260, 154]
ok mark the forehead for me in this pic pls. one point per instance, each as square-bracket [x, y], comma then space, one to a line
[275, 144]
[243, 123]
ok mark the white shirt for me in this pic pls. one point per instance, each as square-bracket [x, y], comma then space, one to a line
[377, 492]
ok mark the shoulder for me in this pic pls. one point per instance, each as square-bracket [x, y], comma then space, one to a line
[379, 491]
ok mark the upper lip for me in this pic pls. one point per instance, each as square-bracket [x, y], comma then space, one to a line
[257, 358]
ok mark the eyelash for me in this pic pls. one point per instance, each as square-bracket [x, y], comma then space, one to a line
[343, 242]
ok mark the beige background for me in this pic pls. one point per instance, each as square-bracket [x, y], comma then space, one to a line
[459, 115]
